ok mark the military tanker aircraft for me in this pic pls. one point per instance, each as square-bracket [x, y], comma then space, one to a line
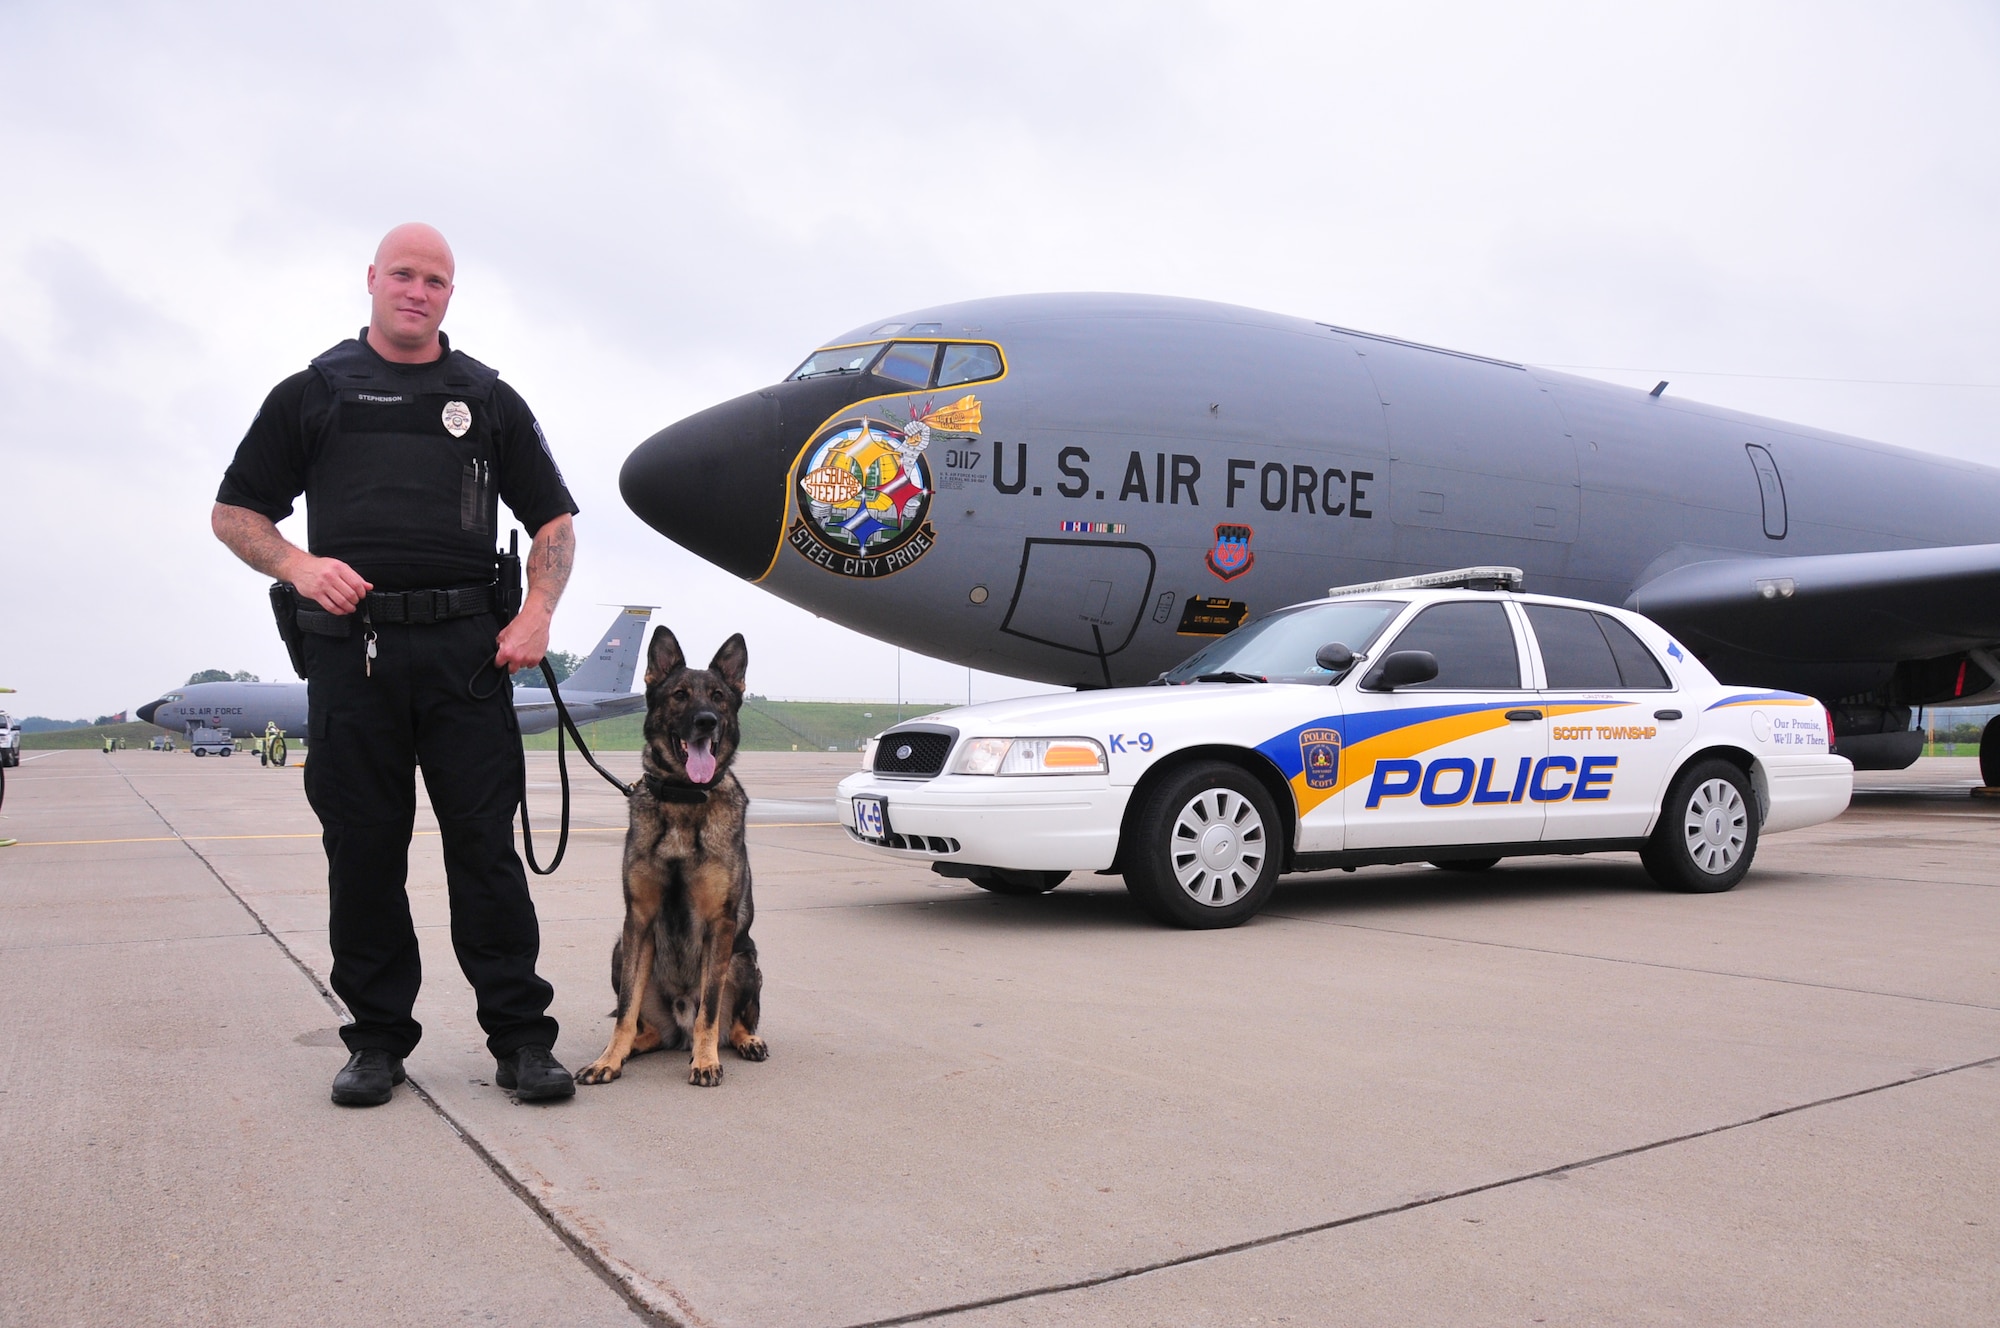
[1083, 488]
[601, 688]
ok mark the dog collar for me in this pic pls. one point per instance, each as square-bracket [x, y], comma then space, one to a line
[665, 792]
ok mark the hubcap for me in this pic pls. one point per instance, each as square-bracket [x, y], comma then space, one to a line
[1218, 847]
[1717, 826]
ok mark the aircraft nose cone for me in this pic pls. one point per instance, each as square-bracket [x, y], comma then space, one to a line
[715, 483]
[147, 711]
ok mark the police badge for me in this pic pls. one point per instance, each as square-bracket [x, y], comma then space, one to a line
[457, 418]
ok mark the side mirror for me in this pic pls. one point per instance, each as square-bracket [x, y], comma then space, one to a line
[1401, 668]
[1334, 657]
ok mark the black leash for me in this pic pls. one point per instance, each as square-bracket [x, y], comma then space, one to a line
[563, 721]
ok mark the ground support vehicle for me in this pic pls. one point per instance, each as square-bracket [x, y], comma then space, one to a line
[10, 741]
[211, 742]
[1421, 720]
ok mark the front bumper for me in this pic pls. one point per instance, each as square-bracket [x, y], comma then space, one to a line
[1026, 823]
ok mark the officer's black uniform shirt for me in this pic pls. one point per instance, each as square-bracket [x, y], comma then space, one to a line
[311, 438]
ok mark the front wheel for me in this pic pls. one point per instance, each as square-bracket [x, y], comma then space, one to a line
[1004, 881]
[1205, 847]
[278, 754]
[1707, 832]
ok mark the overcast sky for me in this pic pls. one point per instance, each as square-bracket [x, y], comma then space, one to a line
[1793, 210]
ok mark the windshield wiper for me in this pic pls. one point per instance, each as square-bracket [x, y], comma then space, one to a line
[823, 373]
[1229, 675]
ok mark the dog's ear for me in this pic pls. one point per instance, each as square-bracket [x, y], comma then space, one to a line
[663, 657]
[732, 662]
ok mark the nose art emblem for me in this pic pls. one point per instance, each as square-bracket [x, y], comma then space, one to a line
[903, 752]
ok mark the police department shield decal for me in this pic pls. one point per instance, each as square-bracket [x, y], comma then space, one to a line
[1319, 757]
[457, 418]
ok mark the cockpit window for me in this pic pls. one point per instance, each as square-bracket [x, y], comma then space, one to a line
[836, 360]
[909, 362]
[968, 364]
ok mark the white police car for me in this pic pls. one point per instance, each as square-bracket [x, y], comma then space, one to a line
[1426, 719]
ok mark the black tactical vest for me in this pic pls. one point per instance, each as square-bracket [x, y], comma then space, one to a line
[403, 473]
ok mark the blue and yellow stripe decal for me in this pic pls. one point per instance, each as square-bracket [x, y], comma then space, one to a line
[1764, 698]
[1389, 735]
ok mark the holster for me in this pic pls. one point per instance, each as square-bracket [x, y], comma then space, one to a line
[285, 608]
[507, 579]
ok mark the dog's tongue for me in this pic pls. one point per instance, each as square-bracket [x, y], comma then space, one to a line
[701, 761]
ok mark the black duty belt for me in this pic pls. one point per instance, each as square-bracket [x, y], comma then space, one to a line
[402, 606]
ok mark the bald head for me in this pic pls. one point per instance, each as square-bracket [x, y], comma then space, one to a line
[409, 285]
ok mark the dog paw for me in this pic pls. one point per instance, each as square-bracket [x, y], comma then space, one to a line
[751, 1048]
[599, 1072]
[705, 1076]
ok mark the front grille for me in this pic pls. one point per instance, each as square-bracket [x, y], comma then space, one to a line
[913, 753]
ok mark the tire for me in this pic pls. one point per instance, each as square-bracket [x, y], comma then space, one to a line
[1707, 833]
[279, 756]
[200, 752]
[1989, 753]
[1205, 848]
[1002, 881]
[1463, 864]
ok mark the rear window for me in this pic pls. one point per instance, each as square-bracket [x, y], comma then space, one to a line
[1587, 651]
[1636, 664]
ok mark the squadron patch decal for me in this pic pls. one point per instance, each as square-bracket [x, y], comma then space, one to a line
[1230, 556]
[457, 418]
[863, 489]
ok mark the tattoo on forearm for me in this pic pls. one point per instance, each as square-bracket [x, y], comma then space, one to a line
[253, 537]
[550, 560]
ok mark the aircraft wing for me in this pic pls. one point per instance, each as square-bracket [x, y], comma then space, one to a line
[538, 716]
[1897, 604]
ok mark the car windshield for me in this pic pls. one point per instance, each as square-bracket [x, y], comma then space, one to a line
[836, 360]
[1283, 644]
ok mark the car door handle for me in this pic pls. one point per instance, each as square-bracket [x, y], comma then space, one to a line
[1524, 714]
[1666, 714]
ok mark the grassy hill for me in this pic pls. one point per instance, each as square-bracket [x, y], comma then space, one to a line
[135, 734]
[768, 726]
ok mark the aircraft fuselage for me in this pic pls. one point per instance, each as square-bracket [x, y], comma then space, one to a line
[1135, 474]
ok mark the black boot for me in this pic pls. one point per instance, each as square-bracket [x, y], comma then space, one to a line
[368, 1078]
[534, 1075]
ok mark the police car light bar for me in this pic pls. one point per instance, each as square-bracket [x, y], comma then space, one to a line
[1459, 578]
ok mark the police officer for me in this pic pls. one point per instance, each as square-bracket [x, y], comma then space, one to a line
[403, 447]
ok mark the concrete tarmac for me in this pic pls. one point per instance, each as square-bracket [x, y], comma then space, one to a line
[1544, 1094]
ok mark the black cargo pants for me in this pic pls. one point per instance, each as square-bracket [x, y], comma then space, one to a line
[367, 735]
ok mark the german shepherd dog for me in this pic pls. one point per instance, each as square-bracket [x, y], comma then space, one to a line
[684, 966]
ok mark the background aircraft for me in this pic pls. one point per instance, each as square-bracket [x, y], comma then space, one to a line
[600, 688]
[1080, 489]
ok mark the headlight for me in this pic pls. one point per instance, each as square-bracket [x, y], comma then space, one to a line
[1030, 756]
[868, 752]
